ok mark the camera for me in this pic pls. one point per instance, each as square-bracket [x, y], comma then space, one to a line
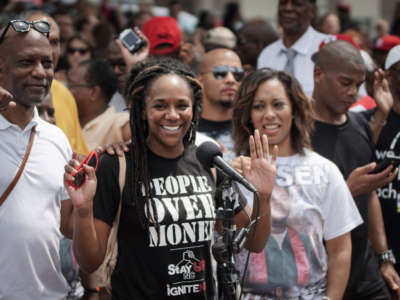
[131, 40]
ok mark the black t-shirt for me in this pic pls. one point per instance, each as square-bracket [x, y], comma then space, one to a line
[389, 196]
[215, 129]
[349, 146]
[220, 131]
[172, 261]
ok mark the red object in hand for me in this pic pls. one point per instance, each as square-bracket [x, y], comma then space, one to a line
[91, 160]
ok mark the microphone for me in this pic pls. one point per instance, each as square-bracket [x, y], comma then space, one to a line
[209, 154]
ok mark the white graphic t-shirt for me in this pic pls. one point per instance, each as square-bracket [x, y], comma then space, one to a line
[310, 203]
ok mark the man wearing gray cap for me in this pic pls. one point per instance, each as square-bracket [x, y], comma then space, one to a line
[388, 146]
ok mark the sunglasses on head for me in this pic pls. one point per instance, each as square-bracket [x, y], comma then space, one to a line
[25, 26]
[220, 72]
[82, 51]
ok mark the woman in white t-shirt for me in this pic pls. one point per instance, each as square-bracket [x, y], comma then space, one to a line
[308, 253]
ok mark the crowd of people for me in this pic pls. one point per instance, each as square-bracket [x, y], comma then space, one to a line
[308, 114]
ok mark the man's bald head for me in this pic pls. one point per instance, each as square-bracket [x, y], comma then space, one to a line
[214, 56]
[14, 42]
[218, 69]
[338, 74]
[39, 15]
[26, 66]
[335, 55]
[54, 36]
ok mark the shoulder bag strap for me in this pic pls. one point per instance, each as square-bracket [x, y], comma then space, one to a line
[21, 168]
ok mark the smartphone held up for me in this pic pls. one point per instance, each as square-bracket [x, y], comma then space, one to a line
[131, 40]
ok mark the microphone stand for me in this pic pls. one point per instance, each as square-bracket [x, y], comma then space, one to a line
[223, 250]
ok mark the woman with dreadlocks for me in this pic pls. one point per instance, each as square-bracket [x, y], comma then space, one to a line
[168, 214]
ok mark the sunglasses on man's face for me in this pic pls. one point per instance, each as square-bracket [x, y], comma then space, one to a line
[220, 72]
[24, 26]
[82, 51]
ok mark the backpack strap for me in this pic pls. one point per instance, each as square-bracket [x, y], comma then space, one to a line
[110, 260]
[122, 176]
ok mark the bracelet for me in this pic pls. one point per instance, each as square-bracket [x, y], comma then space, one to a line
[386, 256]
[95, 290]
[381, 123]
[326, 298]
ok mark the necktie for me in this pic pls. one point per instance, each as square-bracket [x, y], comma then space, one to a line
[289, 67]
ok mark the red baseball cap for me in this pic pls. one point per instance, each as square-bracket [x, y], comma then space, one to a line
[387, 42]
[164, 35]
[339, 37]
[335, 37]
[343, 6]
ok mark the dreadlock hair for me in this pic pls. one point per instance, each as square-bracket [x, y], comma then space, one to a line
[138, 86]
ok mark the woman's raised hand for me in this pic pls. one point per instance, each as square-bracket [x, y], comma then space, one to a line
[261, 169]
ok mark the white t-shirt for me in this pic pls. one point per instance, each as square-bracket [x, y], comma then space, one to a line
[310, 203]
[30, 216]
[274, 56]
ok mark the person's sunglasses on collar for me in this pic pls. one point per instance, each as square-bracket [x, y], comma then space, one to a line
[24, 26]
[220, 72]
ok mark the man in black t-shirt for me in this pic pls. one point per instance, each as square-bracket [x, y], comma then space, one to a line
[388, 146]
[220, 73]
[346, 139]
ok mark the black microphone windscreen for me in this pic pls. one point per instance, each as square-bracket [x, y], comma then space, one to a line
[206, 152]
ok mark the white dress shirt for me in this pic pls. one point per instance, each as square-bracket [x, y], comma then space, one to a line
[274, 56]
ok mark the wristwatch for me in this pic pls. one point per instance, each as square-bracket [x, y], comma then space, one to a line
[386, 256]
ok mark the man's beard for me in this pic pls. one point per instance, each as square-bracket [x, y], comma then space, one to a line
[226, 103]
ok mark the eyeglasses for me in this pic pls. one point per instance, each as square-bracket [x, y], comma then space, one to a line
[220, 72]
[24, 26]
[82, 51]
